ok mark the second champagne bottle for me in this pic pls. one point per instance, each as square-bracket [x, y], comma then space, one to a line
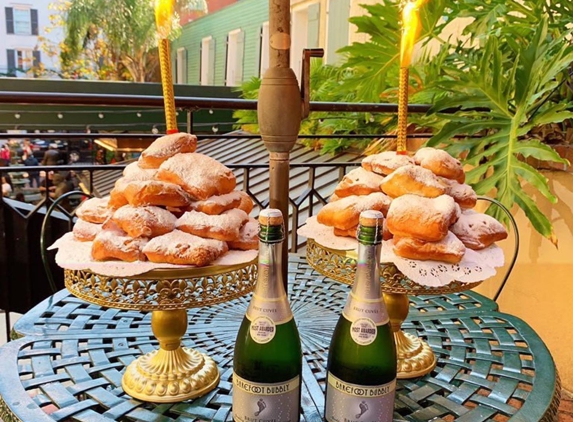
[268, 359]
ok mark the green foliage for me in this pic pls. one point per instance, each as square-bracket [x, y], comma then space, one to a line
[110, 39]
[514, 93]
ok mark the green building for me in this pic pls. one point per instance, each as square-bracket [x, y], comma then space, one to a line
[223, 48]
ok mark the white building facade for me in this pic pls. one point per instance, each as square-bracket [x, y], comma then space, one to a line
[21, 25]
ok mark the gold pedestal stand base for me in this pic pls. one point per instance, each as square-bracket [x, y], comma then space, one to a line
[172, 373]
[415, 357]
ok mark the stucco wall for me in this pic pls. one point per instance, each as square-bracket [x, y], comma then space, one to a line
[540, 288]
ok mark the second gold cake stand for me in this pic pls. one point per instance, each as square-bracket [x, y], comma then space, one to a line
[415, 357]
[171, 373]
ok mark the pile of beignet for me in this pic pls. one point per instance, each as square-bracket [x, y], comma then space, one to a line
[427, 205]
[172, 206]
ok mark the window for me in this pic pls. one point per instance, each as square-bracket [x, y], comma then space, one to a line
[264, 64]
[305, 33]
[21, 21]
[235, 48]
[21, 59]
[207, 76]
[181, 71]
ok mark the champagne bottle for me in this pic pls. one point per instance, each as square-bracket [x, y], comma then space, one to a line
[361, 368]
[267, 362]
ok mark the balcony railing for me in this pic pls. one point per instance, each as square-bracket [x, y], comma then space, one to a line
[22, 279]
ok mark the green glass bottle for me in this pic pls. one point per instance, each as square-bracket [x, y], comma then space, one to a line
[267, 363]
[361, 369]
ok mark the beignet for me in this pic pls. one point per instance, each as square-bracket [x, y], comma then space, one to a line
[94, 210]
[358, 182]
[345, 213]
[246, 204]
[182, 248]
[413, 179]
[478, 231]
[463, 194]
[146, 221]
[85, 231]
[449, 249]
[215, 205]
[423, 218]
[134, 172]
[440, 163]
[224, 227]
[248, 236]
[112, 243]
[386, 162]
[165, 147]
[199, 175]
[155, 192]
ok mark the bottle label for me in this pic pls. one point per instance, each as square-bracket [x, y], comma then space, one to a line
[363, 331]
[359, 403]
[373, 309]
[276, 309]
[263, 329]
[261, 402]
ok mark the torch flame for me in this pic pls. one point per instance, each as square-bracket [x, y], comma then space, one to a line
[163, 17]
[410, 30]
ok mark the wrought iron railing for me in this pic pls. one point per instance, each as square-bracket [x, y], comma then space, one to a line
[22, 279]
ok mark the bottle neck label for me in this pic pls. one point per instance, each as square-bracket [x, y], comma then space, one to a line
[347, 402]
[262, 402]
[270, 299]
[373, 309]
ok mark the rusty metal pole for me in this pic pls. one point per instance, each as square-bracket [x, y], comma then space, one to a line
[279, 111]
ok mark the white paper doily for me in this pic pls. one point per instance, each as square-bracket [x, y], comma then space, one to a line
[475, 265]
[75, 255]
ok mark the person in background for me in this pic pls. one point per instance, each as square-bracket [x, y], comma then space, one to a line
[27, 149]
[5, 156]
[51, 156]
[6, 187]
[62, 185]
[31, 161]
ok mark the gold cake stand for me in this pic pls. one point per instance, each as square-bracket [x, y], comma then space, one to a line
[415, 357]
[172, 373]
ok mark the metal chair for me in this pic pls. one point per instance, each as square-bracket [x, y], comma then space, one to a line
[56, 204]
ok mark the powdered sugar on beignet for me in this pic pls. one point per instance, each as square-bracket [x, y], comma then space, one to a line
[248, 236]
[111, 243]
[94, 210]
[440, 163]
[462, 193]
[134, 172]
[146, 221]
[217, 204]
[423, 218]
[224, 227]
[199, 175]
[386, 162]
[84, 231]
[155, 192]
[413, 179]
[477, 230]
[358, 182]
[182, 248]
[345, 212]
[246, 204]
[449, 249]
[165, 147]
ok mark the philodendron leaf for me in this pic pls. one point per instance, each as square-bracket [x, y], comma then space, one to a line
[514, 99]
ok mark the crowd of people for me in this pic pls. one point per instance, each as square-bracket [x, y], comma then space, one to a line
[55, 182]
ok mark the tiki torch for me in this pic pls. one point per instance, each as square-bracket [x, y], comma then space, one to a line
[163, 20]
[410, 30]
